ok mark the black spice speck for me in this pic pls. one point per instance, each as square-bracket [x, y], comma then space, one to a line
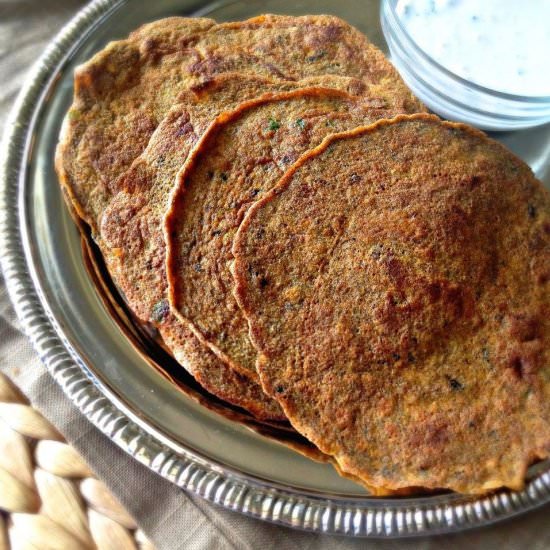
[316, 56]
[377, 251]
[455, 384]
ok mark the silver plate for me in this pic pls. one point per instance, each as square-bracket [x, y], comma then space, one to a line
[109, 380]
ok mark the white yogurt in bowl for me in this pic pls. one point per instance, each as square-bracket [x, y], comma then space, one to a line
[499, 44]
[486, 62]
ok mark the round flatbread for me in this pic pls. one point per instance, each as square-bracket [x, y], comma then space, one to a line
[396, 283]
[124, 91]
[131, 229]
[132, 238]
[239, 159]
[120, 96]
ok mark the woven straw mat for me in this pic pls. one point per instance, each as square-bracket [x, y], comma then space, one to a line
[49, 498]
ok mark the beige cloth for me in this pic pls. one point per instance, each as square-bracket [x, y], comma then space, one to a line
[170, 517]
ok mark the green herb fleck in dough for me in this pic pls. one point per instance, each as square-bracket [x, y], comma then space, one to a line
[74, 115]
[301, 123]
[274, 125]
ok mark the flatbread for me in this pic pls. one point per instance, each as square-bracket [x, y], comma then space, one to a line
[239, 160]
[124, 91]
[131, 227]
[396, 283]
[120, 96]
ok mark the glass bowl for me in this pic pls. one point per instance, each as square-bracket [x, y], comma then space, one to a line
[452, 96]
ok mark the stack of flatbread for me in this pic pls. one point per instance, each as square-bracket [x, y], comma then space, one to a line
[312, 246]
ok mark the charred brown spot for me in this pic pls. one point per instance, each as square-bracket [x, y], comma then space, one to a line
[203, 85]
[524, 328]
[396, 271]
[432, 434]
[277, 72]
[517, 366]
[209, 66]
[288, 158]
[377, 251]
[186, 128]
[323, 36]
[472, 182]
[149, 46]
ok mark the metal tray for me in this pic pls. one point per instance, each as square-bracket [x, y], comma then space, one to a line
[115, 387]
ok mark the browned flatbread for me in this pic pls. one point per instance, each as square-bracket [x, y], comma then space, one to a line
[131, 228]
[396, 283]
[278, 432]
[123, 92]
[238, 161]
[120, 96]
